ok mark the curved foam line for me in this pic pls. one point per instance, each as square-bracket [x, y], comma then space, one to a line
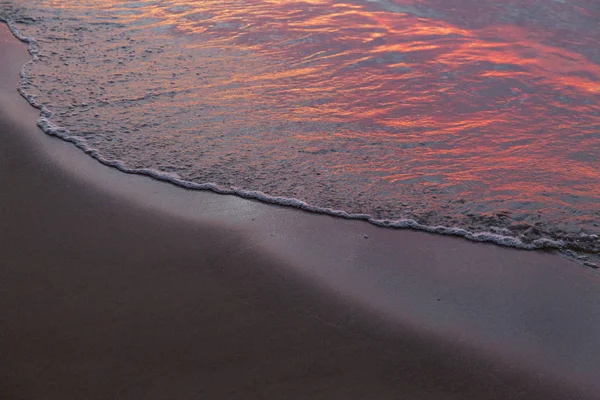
[49, 128]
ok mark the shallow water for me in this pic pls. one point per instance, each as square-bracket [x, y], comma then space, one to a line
[479, 115]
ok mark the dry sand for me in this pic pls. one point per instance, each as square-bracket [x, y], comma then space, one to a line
[114, 286]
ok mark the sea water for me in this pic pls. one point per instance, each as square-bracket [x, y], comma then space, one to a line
[474, 118]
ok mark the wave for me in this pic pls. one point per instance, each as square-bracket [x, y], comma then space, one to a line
[499, 237]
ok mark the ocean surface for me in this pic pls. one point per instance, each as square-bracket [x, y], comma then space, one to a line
[479, 118]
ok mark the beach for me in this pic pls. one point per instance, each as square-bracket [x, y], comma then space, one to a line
[117, 286]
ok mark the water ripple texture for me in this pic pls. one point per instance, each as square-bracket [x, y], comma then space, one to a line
[483, 116]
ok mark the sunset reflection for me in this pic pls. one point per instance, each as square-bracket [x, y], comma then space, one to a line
[440, 111]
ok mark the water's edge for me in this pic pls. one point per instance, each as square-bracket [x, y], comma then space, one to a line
[45, 124]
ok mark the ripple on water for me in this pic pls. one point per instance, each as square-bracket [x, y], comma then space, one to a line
[482, 118]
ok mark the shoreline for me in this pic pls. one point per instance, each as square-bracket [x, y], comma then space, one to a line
[569, 249]
[120, 286]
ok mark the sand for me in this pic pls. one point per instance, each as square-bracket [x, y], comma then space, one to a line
[115, 286]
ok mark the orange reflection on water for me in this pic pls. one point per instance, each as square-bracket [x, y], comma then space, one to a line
[487, 102]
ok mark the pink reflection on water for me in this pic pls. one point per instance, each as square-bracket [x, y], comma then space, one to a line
[491, 103]
[476, 90]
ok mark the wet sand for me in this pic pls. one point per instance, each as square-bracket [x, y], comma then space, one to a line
[115, 286]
